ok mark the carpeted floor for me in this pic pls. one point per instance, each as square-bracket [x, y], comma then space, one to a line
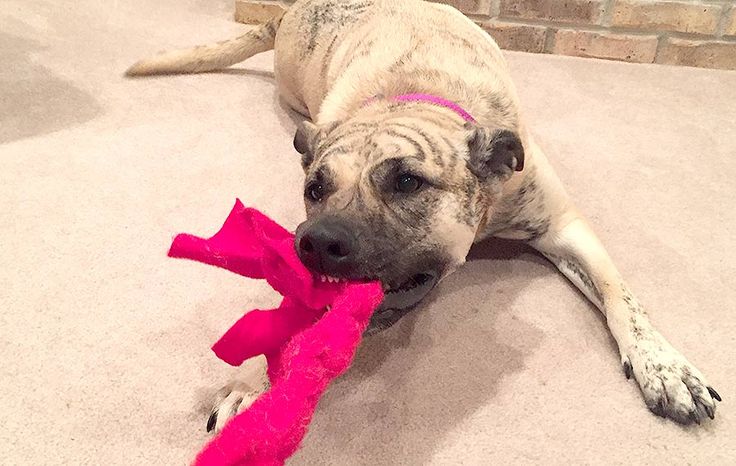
[104, 341]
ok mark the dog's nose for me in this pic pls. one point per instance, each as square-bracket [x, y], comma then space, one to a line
[328, 247]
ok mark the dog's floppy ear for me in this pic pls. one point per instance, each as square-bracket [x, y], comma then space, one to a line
[494, 152]
[305, 141]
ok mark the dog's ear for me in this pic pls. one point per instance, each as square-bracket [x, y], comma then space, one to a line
[305, 141]
[494, 152]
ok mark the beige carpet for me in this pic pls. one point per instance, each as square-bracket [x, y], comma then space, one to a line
[104, 341]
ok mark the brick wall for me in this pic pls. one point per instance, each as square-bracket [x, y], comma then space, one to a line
[681, 32]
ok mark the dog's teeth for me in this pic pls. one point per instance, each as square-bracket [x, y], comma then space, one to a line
[331, 279]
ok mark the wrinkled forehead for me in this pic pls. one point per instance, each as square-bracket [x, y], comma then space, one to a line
[351, 152]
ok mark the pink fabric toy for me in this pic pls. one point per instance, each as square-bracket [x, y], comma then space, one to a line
[308, 341]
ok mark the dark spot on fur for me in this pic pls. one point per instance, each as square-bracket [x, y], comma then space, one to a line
[331, 14]
[584, 278]
[501, 104]
[524, 212]
[469, 213]
[430, 144]
[419, 150]
[572, 266]
[328, 55]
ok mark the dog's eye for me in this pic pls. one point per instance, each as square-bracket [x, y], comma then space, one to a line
[406, 183]
[315, 191]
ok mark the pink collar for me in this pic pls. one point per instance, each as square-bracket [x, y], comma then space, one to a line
[431, 99]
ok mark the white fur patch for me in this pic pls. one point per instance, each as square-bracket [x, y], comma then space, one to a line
[456, 236]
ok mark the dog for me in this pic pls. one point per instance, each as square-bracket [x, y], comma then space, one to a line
[417, 149]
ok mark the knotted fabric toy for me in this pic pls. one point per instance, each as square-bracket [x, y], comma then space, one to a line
[308, 341]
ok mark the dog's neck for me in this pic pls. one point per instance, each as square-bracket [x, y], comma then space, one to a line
[429, 99]
[349, 93]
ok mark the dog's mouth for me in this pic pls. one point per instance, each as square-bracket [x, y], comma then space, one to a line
[406, 294]
[409, 292]
[398, 299]
[402, 299]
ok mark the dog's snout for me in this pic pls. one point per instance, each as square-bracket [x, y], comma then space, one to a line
[328, 247]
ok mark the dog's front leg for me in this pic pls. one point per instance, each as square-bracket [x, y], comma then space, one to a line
[238, 395]
[670, 384]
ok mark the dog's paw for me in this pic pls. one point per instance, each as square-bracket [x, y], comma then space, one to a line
[671, 386]
[229, 401]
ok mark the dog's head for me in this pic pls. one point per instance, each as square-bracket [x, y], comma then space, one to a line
[398, 196]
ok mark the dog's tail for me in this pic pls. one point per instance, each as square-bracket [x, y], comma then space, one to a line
[210, 57]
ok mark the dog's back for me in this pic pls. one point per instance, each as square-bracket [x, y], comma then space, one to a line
[332, 55]
[372, 44]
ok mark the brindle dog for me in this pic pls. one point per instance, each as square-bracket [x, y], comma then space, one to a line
[399, 191]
